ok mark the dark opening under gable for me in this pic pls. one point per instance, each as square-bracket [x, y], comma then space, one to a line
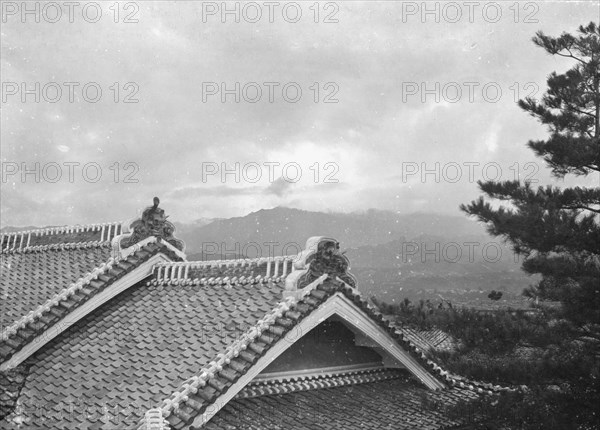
[329, 345]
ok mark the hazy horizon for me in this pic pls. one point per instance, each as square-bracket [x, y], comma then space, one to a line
[211, 219]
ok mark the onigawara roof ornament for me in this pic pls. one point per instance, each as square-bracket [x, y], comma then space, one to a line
[329, 259]
[322, 256]
[152, 223]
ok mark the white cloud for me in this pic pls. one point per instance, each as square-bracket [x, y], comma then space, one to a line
[170, 132]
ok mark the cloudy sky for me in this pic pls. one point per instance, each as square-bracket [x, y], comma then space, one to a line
[376, 105]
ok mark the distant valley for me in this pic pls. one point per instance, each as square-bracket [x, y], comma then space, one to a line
[419, 256]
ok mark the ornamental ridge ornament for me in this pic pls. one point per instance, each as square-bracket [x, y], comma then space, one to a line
[152, 223]
[322, 256]
[328, 259]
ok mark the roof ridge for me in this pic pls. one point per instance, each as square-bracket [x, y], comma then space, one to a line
[58, 247]
[232, 261]
[306, 292]
[452, 378]
[64, 228]
[20, 333]
[318, 381]
[179, 272]
[220, 280]
[192, 385]
[21, 240]
[31, 316]
[323, 374]
[211, 376]
[122, 253]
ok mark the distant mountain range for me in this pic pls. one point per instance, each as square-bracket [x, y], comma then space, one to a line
[393, 255]
[293, 226]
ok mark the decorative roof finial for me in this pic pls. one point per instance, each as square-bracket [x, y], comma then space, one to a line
[152, 223]
[328, 259]
[321, 256]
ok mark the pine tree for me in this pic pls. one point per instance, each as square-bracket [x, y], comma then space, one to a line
[556, 229]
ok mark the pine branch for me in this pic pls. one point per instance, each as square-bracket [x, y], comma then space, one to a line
[558, 230]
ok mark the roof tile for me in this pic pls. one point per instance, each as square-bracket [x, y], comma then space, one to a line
[144, 346]
[390, 404]
[53, 269]
[136, 339]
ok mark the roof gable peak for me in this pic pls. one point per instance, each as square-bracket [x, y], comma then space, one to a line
[201, 396]
[152, 223]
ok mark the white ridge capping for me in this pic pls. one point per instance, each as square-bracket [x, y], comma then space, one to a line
[143, 271]
[19, 236]
[354, 319]
[62, 295]
[179, 271]
[153, 420]
[176, 251]
[192, 385]
[122, 253]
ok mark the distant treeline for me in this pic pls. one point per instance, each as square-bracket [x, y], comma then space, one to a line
[553, 368]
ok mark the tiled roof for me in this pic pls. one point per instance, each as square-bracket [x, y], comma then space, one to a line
[62, 302]
[11, 383]
[50, 279]
[198, 393]
[31, 277]
[316, 381]
[428, 340]
[177, 340]
[37, 264]
[396, 404]
[78, 234]
[136, 350]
